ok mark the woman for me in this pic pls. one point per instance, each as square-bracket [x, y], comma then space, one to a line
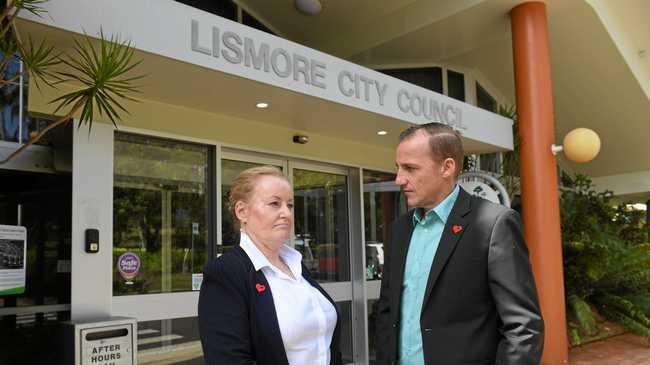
[258, 304]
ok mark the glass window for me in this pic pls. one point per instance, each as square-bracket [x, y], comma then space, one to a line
[321, 223]
[490, 162]
[160, 214]
[229, 170]
[372, 331]
[12, 128]
[345, 311]
[428, 78]
[42, 203]
[251, 21]
[484, 100]
[382, 203]
[10, 100]
[170, 341]
[456, 85]
[223, 8]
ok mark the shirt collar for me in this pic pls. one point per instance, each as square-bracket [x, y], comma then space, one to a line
[442, 210]
[289, 255]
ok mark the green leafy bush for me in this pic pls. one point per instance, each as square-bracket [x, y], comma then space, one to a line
[606, 262]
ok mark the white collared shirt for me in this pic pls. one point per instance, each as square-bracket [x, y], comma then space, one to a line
[306, 318]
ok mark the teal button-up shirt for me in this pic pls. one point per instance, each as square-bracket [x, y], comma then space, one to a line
[422, 249]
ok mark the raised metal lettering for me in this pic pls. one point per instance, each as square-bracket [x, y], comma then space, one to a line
[381, 91]
[259, 59]
[318, 73]
[344, 91]
[300, 66]
[403, 107]
[417, 111]
[287, 61]
[366, 86]
[233, 42]
[195, 39]
[216, 42]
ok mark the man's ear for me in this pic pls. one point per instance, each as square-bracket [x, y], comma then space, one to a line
[241, 211]
[449, 168]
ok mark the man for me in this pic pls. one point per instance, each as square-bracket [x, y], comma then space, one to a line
[457, 286]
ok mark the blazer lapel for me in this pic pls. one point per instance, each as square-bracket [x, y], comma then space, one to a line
[266, 315]
[452, 232]
[399, 250]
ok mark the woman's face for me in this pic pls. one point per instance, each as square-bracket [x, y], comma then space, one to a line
[268, 215]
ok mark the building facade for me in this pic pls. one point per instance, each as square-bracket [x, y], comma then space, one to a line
[228, 87]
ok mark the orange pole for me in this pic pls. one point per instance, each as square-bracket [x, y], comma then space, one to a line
[539, 188]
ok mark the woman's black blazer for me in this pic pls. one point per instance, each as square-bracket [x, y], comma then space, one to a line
[238, 324]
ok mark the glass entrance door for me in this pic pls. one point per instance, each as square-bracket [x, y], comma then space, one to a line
[322, 234]
[42, 203]
[321, 224]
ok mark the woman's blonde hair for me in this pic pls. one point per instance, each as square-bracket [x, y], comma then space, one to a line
[244, 184]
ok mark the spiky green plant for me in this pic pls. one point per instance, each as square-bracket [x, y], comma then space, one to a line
[104, 70]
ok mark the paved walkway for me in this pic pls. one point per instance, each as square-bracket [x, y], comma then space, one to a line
[627, 349]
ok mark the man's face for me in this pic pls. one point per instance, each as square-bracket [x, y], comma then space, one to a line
[424, 181]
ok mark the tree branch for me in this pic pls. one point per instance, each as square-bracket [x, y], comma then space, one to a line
[12, 17]
[9, 81]
[5, 12]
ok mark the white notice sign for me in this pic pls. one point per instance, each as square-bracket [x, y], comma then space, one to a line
[111, 345]
[13, 258]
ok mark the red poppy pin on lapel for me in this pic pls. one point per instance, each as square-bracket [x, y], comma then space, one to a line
[457, 229]
[260, 288]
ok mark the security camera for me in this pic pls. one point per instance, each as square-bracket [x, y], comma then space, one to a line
[300, 139]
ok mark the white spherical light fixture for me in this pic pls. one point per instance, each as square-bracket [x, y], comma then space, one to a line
[580, 145]
[309, 7]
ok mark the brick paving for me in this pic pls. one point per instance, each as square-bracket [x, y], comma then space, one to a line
[627, 349]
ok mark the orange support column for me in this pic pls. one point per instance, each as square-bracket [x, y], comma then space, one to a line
[541, 212]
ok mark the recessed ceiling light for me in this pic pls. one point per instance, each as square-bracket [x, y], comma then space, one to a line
[262, 105]
[382, 133]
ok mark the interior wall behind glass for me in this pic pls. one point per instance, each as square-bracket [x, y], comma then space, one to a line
[161, 205]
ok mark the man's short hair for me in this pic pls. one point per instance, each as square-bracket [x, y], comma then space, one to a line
[444, 142]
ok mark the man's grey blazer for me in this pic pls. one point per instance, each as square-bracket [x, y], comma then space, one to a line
[480, 305]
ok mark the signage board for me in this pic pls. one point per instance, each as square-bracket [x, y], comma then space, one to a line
[197, 280]
[484, 186]
[13, 259]
[109, 345]
[203, 39]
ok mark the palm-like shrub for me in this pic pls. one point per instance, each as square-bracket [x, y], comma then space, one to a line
[606, 262]
[101, 72]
